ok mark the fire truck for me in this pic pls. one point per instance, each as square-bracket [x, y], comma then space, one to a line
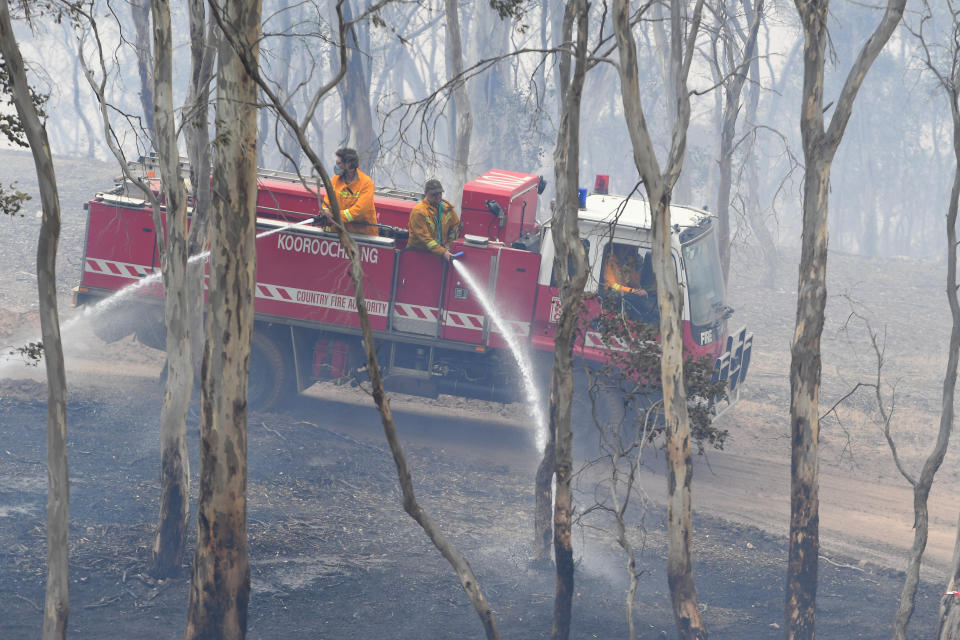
[433, 334]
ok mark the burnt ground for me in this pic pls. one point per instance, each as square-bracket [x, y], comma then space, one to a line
[334, 556]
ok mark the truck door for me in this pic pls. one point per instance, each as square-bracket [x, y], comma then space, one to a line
[515, 293]
[464, 319]
[121, 245]
[416, 301]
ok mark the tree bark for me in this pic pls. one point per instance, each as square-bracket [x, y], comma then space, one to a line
[733, 89]
[543, 497]
[220, 585]
[659, 186]
[84, 120]
[819, 148]
[461, 100]
[171, 533]
[140, 11]
[948, 622]
[765, 239]
[456, 560]
[57, 595]
[196, 128]
[923, 484]
[543, 489]
[355, 93]
[569, 250]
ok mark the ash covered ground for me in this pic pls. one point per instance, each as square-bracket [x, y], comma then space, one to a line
[334, 556]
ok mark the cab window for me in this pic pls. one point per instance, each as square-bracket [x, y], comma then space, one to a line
[628, 266]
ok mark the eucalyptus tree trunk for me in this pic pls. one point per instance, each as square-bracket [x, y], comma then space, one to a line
[355, 93]
[220, 584]
[659, 186]
[752, 210]
[286, 141]
[664, 69]
[171, 533]
[569, 250]
[77, 106]
[57, 595]
[948, 621]
[923, 484]
[456, 560]
[819, 148]
[461, 100]
[196, 129]
[732, 91]
[140, 12]
[543, 489]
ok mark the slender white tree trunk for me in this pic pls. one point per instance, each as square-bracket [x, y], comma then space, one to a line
[461, 99]
[569, 250]
[659, 186]
[57, 596]
[171, 533]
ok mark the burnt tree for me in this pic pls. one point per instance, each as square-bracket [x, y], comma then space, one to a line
[570, 265]
[819, 147]
[220, 582]
[659, 184]
[237, 44]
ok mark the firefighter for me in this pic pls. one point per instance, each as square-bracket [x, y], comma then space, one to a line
[621, 274]
[434, 223]
[354, 191]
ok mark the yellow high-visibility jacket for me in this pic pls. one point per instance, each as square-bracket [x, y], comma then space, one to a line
[356, 203]
[432, 228]
[622, 278]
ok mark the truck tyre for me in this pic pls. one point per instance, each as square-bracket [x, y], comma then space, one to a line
[271, 379]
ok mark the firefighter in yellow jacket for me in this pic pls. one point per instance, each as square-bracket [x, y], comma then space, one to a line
[620, 273]
[354, 191]
[434, 223]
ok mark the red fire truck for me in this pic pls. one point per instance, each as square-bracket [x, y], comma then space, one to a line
[433, 334]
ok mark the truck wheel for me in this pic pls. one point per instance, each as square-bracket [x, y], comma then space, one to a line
[271, 379]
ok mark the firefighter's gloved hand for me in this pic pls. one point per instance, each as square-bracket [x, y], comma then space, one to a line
[322, 219]
[453, 256]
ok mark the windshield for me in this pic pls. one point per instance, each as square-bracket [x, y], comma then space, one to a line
[704, 279]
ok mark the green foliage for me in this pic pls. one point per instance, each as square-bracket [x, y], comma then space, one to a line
[31, 353]
[632, 376]
[10, 125]
[12, 199]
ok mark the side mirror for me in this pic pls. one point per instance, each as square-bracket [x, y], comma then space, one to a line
[541, 186]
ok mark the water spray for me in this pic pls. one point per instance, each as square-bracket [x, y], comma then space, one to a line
[519, 354]
[13, 358]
